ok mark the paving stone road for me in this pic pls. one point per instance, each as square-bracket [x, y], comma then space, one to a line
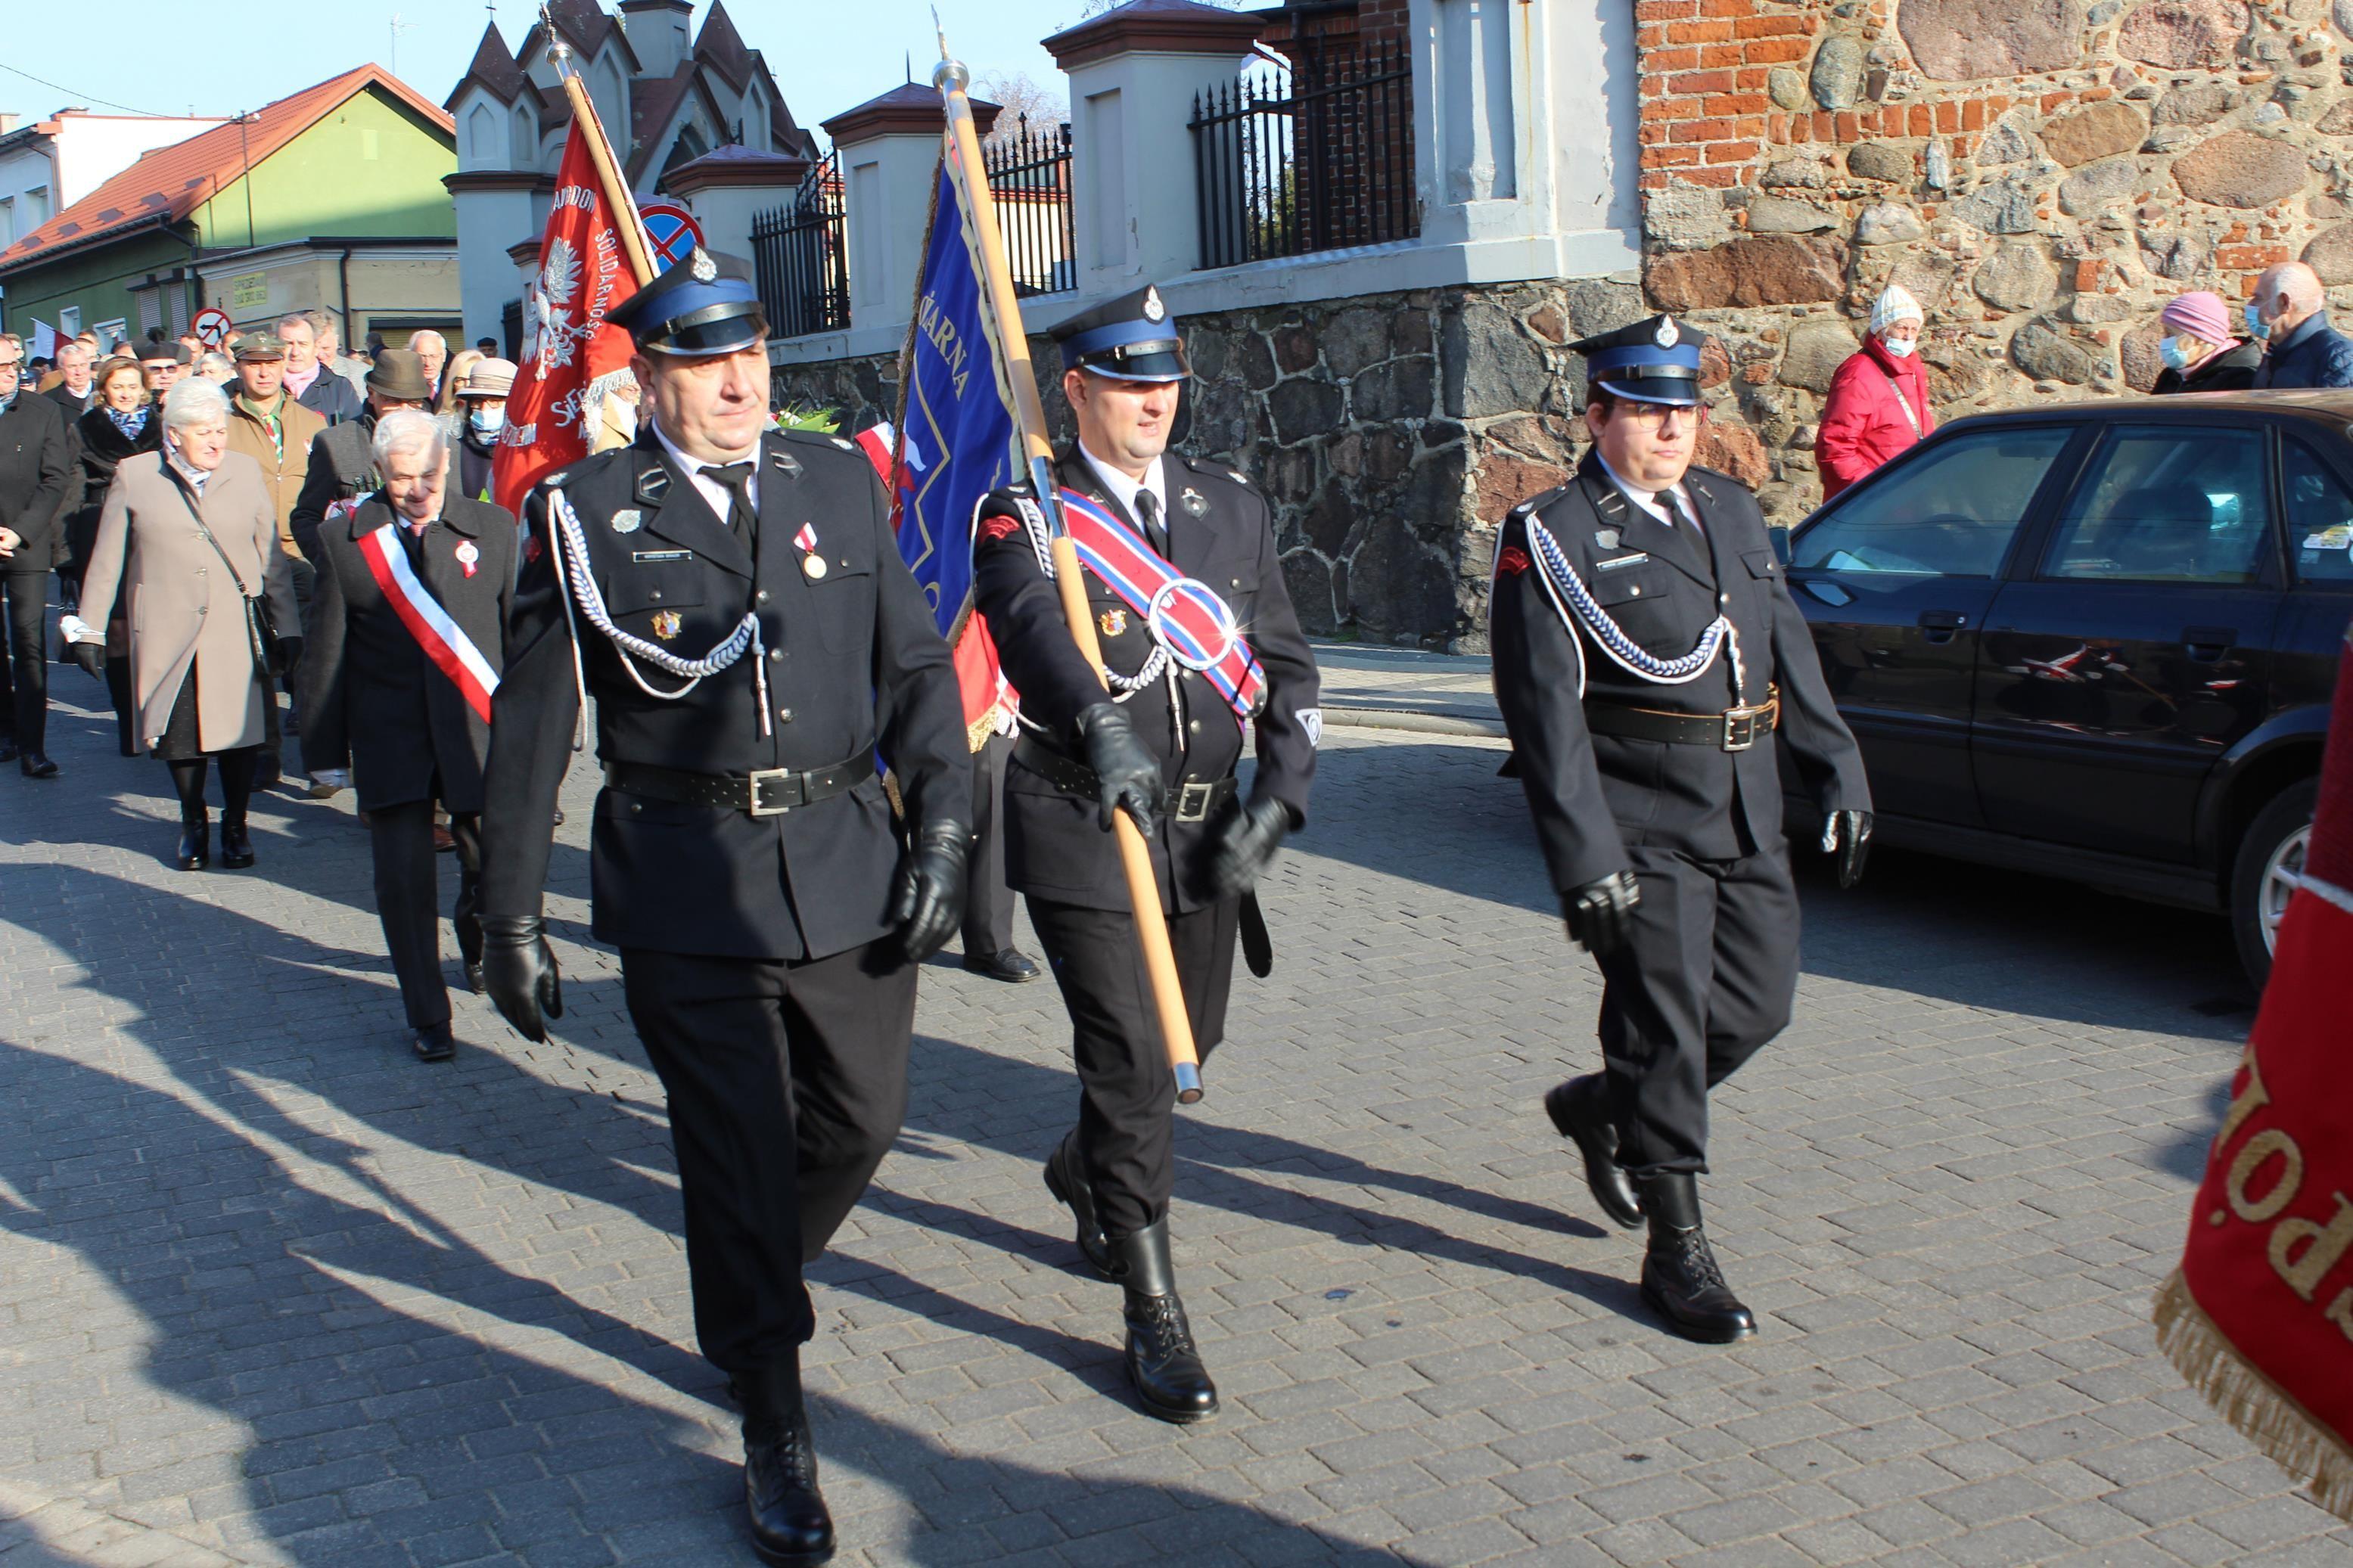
[273, 1292]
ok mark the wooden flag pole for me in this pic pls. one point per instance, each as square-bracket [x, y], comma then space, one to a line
[1135, 859]
[600, 153]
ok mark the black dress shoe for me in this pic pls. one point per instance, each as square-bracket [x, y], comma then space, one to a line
[1066, 1178]
[790, 1523]
[1009, 965]
[1163, 1362]
[37, 766]
[237, 847]
[559, 818]
[195, 850]
[7, 748]
[1580, 1110]
[1681, 1281]
[474, 982]
[434, 1043]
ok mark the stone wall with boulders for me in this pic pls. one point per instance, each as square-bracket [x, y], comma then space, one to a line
[1391, 432]
[2043, 174]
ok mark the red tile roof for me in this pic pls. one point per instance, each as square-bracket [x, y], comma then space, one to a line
[171, 182]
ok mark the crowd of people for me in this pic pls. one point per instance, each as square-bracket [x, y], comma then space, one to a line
[1878, 404]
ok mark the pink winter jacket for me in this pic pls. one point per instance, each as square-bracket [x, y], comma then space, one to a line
[1863, 425]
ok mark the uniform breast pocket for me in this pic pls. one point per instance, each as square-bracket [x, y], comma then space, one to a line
[656, 601]
[1638, 596]
[842, 603]
[1761, 564]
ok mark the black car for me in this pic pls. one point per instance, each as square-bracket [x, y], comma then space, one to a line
[2099, 640]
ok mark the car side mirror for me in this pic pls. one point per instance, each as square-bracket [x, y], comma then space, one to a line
[1781, 538]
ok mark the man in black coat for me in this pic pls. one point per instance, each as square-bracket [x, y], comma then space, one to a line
[737, 606]
[1169, 738]
[312, 382]
[1647, 656]
[36, 459]
[342, 459]
[407, 636]
[77, 390]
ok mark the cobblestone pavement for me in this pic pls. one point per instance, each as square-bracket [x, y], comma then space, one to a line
[275, 1293]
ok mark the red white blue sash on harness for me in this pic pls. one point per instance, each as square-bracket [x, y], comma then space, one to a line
[1184, 614]
[443, 640]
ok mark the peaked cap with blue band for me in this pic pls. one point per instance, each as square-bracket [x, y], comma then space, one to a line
[1132, 338]
[1656, 361]
[703, 305]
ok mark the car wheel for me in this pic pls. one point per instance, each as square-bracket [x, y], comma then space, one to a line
[2268, 870]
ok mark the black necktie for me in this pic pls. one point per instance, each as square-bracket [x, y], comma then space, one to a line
[737, 480]
[1148, 513]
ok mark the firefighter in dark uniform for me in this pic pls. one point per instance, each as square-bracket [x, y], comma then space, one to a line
[732, 598]
[1162, 744]
[1648, 658]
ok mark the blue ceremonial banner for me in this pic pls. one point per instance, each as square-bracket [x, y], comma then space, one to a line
[957, 436]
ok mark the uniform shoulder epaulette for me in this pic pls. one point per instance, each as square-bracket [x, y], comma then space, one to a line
[1217, 470]
[1536, 503]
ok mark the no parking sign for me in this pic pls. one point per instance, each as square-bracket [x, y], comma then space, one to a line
[211, 327]
[672, 231]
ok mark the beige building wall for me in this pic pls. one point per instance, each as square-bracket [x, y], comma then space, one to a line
[390, 292]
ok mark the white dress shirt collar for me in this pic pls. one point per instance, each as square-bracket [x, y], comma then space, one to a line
[1648, 500]
[1123, 489]
[714, 494]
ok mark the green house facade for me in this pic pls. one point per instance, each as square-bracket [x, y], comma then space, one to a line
[331, 198]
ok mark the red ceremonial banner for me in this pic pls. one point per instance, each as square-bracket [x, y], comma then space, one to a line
[575, 356]
[2259, 1316]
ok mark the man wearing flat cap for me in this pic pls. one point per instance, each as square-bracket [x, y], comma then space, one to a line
[1650, 665]
[268, 426]
[1161, 743]
[733, 598]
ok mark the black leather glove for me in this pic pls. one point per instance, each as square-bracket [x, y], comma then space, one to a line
[1127, 773]
[286, 654]
[929, 903]
[1601, 913]
[1242, 843]
[1847, 835]
[519, 972]
[90, 656]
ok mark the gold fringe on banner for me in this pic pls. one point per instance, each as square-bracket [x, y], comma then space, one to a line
[2265, 1414]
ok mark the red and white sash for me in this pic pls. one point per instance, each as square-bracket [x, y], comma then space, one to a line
[1184, 614]
[443, 640]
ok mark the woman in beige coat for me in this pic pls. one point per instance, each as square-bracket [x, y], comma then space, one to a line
[184, 533]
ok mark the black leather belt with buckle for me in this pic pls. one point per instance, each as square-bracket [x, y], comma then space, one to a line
[769, 792]
[1192, 802]
[1734, 730]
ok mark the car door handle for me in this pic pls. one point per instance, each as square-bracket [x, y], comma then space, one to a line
[1940, 624]
[2206, 643]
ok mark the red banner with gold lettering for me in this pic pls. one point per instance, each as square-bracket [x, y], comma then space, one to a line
[573, 356]
[2259, 1316]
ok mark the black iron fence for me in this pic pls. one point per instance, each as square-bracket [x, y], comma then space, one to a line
[1314, 158]
[800, 256]
[1029, 180]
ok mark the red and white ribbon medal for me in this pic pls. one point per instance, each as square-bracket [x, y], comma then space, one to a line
[812, 563]
[467, 555]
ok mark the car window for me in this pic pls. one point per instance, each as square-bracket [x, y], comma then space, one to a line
[2168, 504]
[2319, 517]
[1950, 512]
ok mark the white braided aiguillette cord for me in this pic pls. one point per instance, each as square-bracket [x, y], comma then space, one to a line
[574, 544]
[1624, 650]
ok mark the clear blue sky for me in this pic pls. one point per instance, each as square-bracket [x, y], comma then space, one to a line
[827, 55]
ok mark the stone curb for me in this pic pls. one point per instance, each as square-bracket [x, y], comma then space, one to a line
[1419, 723]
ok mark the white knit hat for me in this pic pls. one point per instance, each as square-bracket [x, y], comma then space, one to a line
[1895, 304]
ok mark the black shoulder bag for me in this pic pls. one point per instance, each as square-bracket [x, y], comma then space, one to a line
[260, 630]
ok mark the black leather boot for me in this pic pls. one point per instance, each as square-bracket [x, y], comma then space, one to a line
[195, 840]
[1580, 1110]
[1681, 1281]
[790, 1523]
[1066, 1178]
[1162, 1360]
[237, 847]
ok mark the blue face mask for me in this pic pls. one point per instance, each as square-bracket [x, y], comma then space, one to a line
[487, 422]
[2169, 351]
[2255, 323]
